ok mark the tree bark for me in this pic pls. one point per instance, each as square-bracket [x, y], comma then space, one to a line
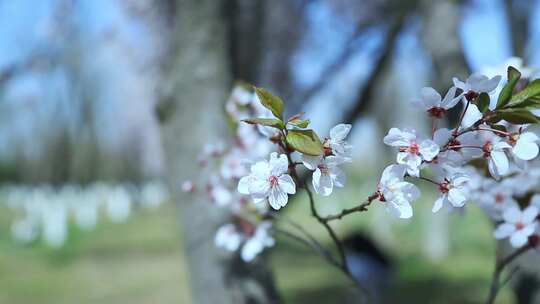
[198, 85]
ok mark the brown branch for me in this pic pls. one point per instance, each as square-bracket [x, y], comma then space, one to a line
[310, 238]
[319, 250]
[499, 267]
[360, 208]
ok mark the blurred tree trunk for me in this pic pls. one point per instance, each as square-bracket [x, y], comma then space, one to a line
[198, 84]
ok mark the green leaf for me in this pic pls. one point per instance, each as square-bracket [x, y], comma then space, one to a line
[499, 127]
[517, 116]
[528, 97]
[305, 141]
[271, 102]
[300, 123]
[270, 122]
[482, 102]
[506, 93]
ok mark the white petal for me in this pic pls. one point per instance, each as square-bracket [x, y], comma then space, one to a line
[413, 171]
[456, 198]
[429, 149]
[258, 186]
[471, 116]
[489, 85]
[529, 229]
[286, 183]
[339, 132]
[458, 83]
[277, 198]
[529, 214]
[403, 208]
[525, 150]
[311, 162]
[450, 99]
[339, 177]
[430, 97]
[408, 190]
[324, 186]
[535, 200]
[412, 161]
[500, 161]
[251, 249]
[392, 172]
[493, 169]
[441, 136]
[437, 205]
[518, 239]
[397, 138]
[529, 136]
[260, 169]
[504, 230]
[243, 185]
[512, 215]
[279, 165]
[501, 145]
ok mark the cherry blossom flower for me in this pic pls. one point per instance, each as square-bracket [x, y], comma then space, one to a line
[493, 150]
[396, 193]
[471, 88]
[535, 200]
[495, 199]
[459, 151]
[476, 84]
[228, 238]
[327, 173]
[219, 194]
[453, 189]
[518, 225]
[252, 239]
[269, 181]
[188, 186]
[233, 165]
[260, 240]
[434, 105]
[336, 144]
[524, 145]
[412, 151]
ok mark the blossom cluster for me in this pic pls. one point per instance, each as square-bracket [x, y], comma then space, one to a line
[490, 160]
[256, 172]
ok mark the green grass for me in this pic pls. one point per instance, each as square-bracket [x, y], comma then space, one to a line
[141, 260]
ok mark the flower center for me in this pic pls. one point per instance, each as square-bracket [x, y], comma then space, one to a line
[499, 198]
[486, 148]
[414, 148]
[246, 227]
[273, 180]
[519, 225]
[471, 95]
[437, 112]
[445, 186]
[380, 196]
[323, 168]
[455, 144]
[327, 149]
[512, 139]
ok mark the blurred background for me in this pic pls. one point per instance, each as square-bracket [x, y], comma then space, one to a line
[105, 105]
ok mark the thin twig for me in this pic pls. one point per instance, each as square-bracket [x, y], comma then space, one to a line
[323, 253]
[360, 208]
[320, 248]
[499, 267]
